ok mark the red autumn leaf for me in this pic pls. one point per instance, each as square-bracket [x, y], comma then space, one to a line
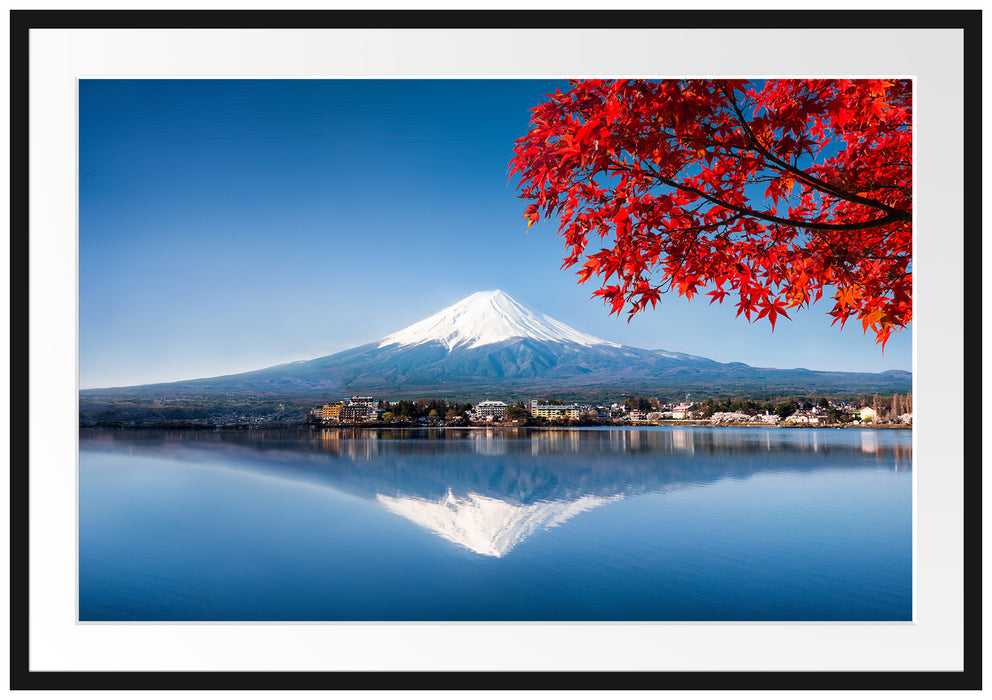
[665, 173]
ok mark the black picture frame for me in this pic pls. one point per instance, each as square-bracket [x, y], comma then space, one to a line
[969, 22]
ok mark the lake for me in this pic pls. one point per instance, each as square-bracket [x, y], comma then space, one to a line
[624, 524]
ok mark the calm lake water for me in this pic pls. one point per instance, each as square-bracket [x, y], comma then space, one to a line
[597, 524]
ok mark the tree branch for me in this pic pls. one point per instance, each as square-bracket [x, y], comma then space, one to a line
[771, 218]
[814, 182]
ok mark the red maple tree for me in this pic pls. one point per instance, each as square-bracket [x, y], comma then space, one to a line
[771, 191]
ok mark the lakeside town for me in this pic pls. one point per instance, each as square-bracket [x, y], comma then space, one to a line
[195, 412]
[895, 410]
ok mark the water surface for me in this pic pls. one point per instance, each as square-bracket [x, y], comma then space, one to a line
[552, 525]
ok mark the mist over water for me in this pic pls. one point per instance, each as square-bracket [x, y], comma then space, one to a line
[588, 524]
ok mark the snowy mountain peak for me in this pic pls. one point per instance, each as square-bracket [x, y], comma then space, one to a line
[489, 317]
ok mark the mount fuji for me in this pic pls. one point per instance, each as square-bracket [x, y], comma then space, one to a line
[486, 318]
[488, 344]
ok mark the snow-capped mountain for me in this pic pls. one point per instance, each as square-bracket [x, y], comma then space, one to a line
[486, 318]
[488, 344]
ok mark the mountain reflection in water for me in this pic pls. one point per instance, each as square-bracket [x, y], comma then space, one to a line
[488, 490]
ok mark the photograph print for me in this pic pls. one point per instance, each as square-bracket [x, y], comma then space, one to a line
[490, 350]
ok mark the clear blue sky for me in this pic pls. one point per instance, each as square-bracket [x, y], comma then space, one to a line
[229, 225]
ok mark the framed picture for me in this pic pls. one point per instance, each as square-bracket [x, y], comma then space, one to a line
[165, 162]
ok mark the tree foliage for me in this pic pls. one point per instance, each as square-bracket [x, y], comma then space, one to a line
[771, 192]
[637, 403]
[517, 413]
[786, 409]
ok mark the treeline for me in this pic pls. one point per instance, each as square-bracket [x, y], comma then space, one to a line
[438, 409]
[640, 403]
[750, 407]
[885, 407]
[782, 409]
[890, 407]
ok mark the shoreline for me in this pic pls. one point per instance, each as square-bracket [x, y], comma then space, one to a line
[413, 426]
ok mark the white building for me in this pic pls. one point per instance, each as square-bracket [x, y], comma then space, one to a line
[554, 411]
[807, 417]
[490, 409]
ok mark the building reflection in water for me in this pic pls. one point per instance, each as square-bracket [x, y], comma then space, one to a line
[339, 443]
[682, 440]
[555, 441]
[869, 441]
[488, 443]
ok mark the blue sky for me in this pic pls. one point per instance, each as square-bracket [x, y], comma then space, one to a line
[229, 225]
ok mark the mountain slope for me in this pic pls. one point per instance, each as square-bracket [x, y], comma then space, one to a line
[489, 344]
